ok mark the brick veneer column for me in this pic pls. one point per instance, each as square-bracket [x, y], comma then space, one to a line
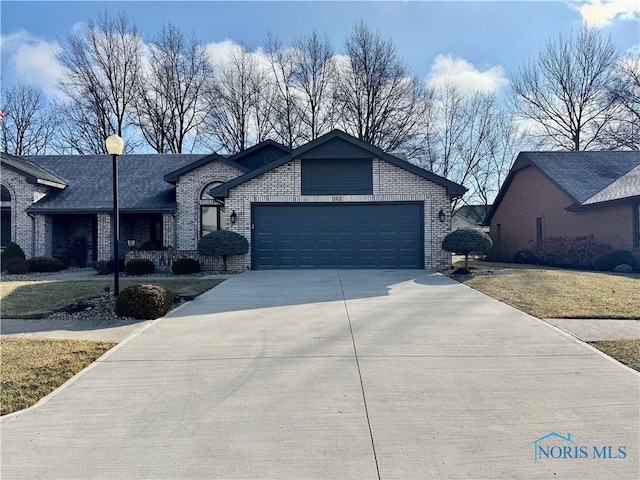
[105, 242]
[43, 235]
[168, 230]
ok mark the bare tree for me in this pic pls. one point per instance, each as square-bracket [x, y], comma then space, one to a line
[102, 71]
[566, 89]
[284, 99]
[379, 101]
[314, 74]
[29, 123]
[233, 97]
[169, 108]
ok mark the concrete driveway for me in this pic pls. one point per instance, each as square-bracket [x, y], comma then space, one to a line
[337, 374]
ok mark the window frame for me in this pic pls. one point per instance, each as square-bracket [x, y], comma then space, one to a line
[205, 201]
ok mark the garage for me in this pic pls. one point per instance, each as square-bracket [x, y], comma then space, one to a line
[337, 235]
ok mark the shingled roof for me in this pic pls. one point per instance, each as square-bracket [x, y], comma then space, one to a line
[32, 172]
[142, 187]
[588, 178]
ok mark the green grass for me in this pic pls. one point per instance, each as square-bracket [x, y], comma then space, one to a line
[28, 298]
[31, 369]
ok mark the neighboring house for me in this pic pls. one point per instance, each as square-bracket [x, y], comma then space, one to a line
[470, 216]
[334, 202]
[569, 194]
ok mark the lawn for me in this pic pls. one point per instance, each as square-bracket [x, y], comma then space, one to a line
[23, 299]
[555, 293]
[625, 351]
[31, 369]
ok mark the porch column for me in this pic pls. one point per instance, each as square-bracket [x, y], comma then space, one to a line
[105, 242]
[43, 235]
[168, 230]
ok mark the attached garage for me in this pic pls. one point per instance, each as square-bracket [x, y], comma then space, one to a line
[338, 235]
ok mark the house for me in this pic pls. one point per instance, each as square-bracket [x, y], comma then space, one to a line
[470, 216]
[568, 194]
[334, 202]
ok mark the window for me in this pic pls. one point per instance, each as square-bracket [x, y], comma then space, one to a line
[337, 176]
[636, 225]
[539, 236]
[5, 216]
[211, 211]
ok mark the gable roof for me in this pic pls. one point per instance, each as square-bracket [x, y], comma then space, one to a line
[587, 178]
[453, 189]
[174, 176]
[473, 213]
[89, 178]
[32, 172]
[244, 157]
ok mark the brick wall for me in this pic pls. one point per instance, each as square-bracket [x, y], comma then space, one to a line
[188, 191]
[163, 259]
[23, 195]
[531, 195]
[105, 245]
[390, 184]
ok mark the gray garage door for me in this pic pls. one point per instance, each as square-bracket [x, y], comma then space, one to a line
[337, 235]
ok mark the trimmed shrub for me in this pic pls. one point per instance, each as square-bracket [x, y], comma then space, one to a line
[607, 262]
[465, 241]
[12, 250]
[44, 264]
[567, 252]
[15, 265]
[223, 243]
[525, 257]
[185, 266]
[106, 268]
[63, 258]
[140, 266]
[144, 302]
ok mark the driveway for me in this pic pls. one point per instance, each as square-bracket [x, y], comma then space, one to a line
[337, 374]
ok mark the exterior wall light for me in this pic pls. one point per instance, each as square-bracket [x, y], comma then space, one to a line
[233, 217]
[441, 216]
[131, 243]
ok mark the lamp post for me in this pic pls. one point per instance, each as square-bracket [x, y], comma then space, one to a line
[115, 145]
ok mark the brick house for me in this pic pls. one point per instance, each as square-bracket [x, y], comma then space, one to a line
[568, 194]
[334, 202]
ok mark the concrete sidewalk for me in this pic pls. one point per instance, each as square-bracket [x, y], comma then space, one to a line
[334, 374]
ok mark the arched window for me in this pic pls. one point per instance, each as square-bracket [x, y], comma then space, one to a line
[211, 211]
[5, 216]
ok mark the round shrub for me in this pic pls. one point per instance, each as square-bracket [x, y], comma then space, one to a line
[222, 243]
[144, 302]
[44, 264]
[12, 250]
[15, 265]
[608, 261]
[466, 240]
[106, 268]
[140, 266]
[66, 261]
[526, 257]
[185, 266]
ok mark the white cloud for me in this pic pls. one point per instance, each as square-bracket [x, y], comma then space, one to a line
[599, 13]
[33, 61]
[466, 76]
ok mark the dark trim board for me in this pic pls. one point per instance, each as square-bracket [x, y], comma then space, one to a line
[307, 235]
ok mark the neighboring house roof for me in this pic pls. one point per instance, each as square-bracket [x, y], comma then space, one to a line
[355, 148]
[587, 178]
[174, 176]
[89, 178]
[32, 172]
[473, 213]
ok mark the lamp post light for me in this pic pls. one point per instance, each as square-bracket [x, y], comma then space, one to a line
[115, 145]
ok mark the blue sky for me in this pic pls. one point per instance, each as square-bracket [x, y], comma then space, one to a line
[480, 42]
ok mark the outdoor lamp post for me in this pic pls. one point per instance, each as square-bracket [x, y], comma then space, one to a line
[115, 145]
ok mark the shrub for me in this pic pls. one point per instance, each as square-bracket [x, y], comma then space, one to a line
[526, 257]
[222, 243]
[185, 266]
[63, 258]
[607, 262]
[144, 302]
[15, 265]
[567, 252]
[140, 266]
[44, 264]
[466, 240]
[12, 250]
[106, 268]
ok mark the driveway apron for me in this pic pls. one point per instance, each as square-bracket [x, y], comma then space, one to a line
[336, 374]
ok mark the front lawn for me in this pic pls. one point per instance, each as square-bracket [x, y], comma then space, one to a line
[31, 369]
[625, 351]
[26, 298]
